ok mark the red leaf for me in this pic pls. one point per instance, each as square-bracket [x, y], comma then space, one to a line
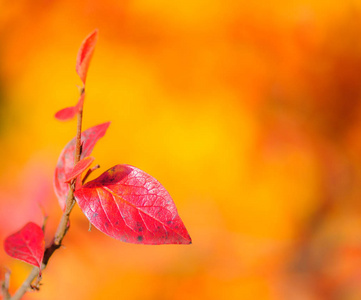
[69, 112]
[27, 244]
[66, 159]
[132, 206]
[66, 113]
[79, 168]
[85, 54]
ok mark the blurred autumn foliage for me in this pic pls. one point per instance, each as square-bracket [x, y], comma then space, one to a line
[249, 113]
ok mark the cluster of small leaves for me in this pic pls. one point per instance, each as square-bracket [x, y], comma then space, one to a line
[124, 202]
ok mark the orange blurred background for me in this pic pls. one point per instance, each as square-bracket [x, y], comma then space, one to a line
[248, 113]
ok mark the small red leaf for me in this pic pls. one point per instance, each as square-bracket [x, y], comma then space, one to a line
[85, 54]
[66, 113]
[79, 168]
[132, 206]
[69, 112]
[27, 244]
[66, 159]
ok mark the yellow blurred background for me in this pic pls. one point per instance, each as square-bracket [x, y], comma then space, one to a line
[249, 113]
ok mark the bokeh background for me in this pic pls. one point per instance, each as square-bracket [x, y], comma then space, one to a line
[248, 112]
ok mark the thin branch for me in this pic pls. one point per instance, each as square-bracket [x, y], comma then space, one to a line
[5, 286]
[78, 135]
[44, 223]
[62, 227]
[70, 201]
[26, 286]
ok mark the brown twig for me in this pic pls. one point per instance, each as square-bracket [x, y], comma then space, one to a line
[61, 230]
[78, 133]
[5, 286]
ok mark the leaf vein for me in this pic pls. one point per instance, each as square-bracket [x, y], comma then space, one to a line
[145, 224]
[137, 208]
[124, 219]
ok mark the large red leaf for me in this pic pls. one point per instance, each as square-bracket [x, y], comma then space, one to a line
[132, 206]
[85, 54]
[27, 244]
[69, 112]
[66, 159]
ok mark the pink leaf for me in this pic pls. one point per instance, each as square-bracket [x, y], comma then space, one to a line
[132, 206]
[27, 244]
[79, 168]
[69, 112]
[85, 54]
[66, 113]
[66, 159]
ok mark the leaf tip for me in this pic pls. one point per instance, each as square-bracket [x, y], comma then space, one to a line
[85, 54]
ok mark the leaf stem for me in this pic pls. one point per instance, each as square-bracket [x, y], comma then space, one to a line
[62, 227]
[89, 172]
